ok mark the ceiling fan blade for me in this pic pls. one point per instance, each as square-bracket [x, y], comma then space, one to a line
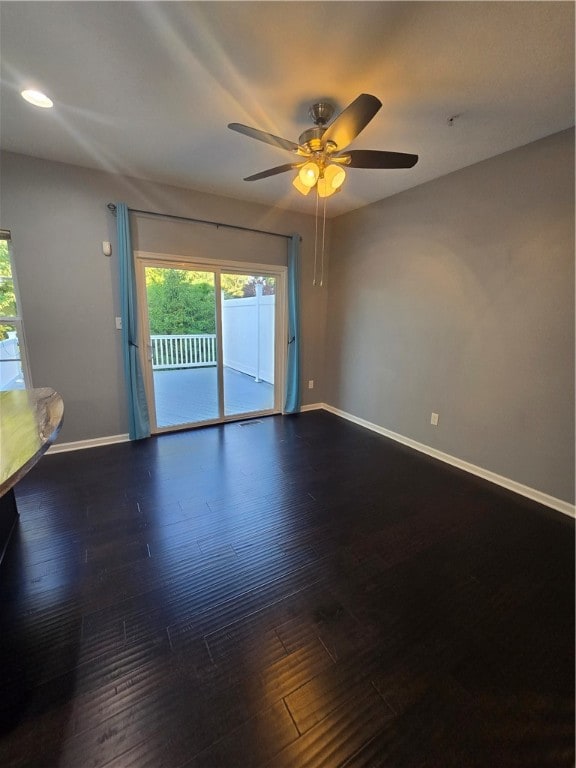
[272, 171]
[352, 120]
[374, 158]
[268, 138]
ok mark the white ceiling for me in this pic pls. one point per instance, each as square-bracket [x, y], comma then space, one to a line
[147, 88]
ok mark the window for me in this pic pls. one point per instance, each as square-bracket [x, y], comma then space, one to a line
[14, 371]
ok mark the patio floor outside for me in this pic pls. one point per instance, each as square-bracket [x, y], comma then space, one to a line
[190, 395]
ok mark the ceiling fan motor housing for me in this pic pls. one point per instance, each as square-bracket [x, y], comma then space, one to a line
[311, 139]
[321, 113]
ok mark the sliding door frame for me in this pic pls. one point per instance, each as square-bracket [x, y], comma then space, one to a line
[145, 259]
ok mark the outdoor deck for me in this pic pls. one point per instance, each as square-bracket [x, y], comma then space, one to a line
[190, 395]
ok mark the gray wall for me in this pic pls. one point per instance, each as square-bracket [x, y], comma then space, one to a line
[58, 218]
[457, 297]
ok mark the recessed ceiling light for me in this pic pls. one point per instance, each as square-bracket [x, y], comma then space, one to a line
[37, 98]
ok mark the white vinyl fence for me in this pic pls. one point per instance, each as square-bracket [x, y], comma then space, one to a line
[247, 339]
[248, 335]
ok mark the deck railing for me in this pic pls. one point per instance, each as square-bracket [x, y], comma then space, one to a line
[186, 351]
[10, 364]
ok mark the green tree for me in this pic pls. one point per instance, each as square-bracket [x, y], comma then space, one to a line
[242, 286]
[7, 295]
[180, 302]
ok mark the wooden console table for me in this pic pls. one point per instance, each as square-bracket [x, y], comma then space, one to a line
[30, 420]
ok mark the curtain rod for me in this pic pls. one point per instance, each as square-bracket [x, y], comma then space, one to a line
[217, 224]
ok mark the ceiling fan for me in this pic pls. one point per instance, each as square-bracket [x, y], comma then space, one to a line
[322, 150]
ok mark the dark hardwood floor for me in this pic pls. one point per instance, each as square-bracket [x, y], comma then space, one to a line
[289, 592]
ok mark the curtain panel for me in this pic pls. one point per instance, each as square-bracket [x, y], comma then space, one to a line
[293, 389]
[138, 418]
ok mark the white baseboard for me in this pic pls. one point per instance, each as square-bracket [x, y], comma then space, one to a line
[505, 482]
[486, 474]
[92, 443]
[312, 407]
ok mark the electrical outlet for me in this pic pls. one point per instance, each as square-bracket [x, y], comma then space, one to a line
[311, 384]
[118, 323]
[434, 419]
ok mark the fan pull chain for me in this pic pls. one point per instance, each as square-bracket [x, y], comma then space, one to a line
[323, 238]
[315, 239]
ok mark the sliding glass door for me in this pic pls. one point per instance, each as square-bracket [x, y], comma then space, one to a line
[210, 341]
[182, 346]
[248, 349]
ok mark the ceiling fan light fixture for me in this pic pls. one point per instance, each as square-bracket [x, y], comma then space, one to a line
[309, 174]
[334, 176]
[325, 189]
[302, 188]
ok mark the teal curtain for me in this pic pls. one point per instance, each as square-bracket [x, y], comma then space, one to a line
[138, 419]
[293, 391]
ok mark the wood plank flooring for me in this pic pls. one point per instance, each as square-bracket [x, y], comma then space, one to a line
[297, 592]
